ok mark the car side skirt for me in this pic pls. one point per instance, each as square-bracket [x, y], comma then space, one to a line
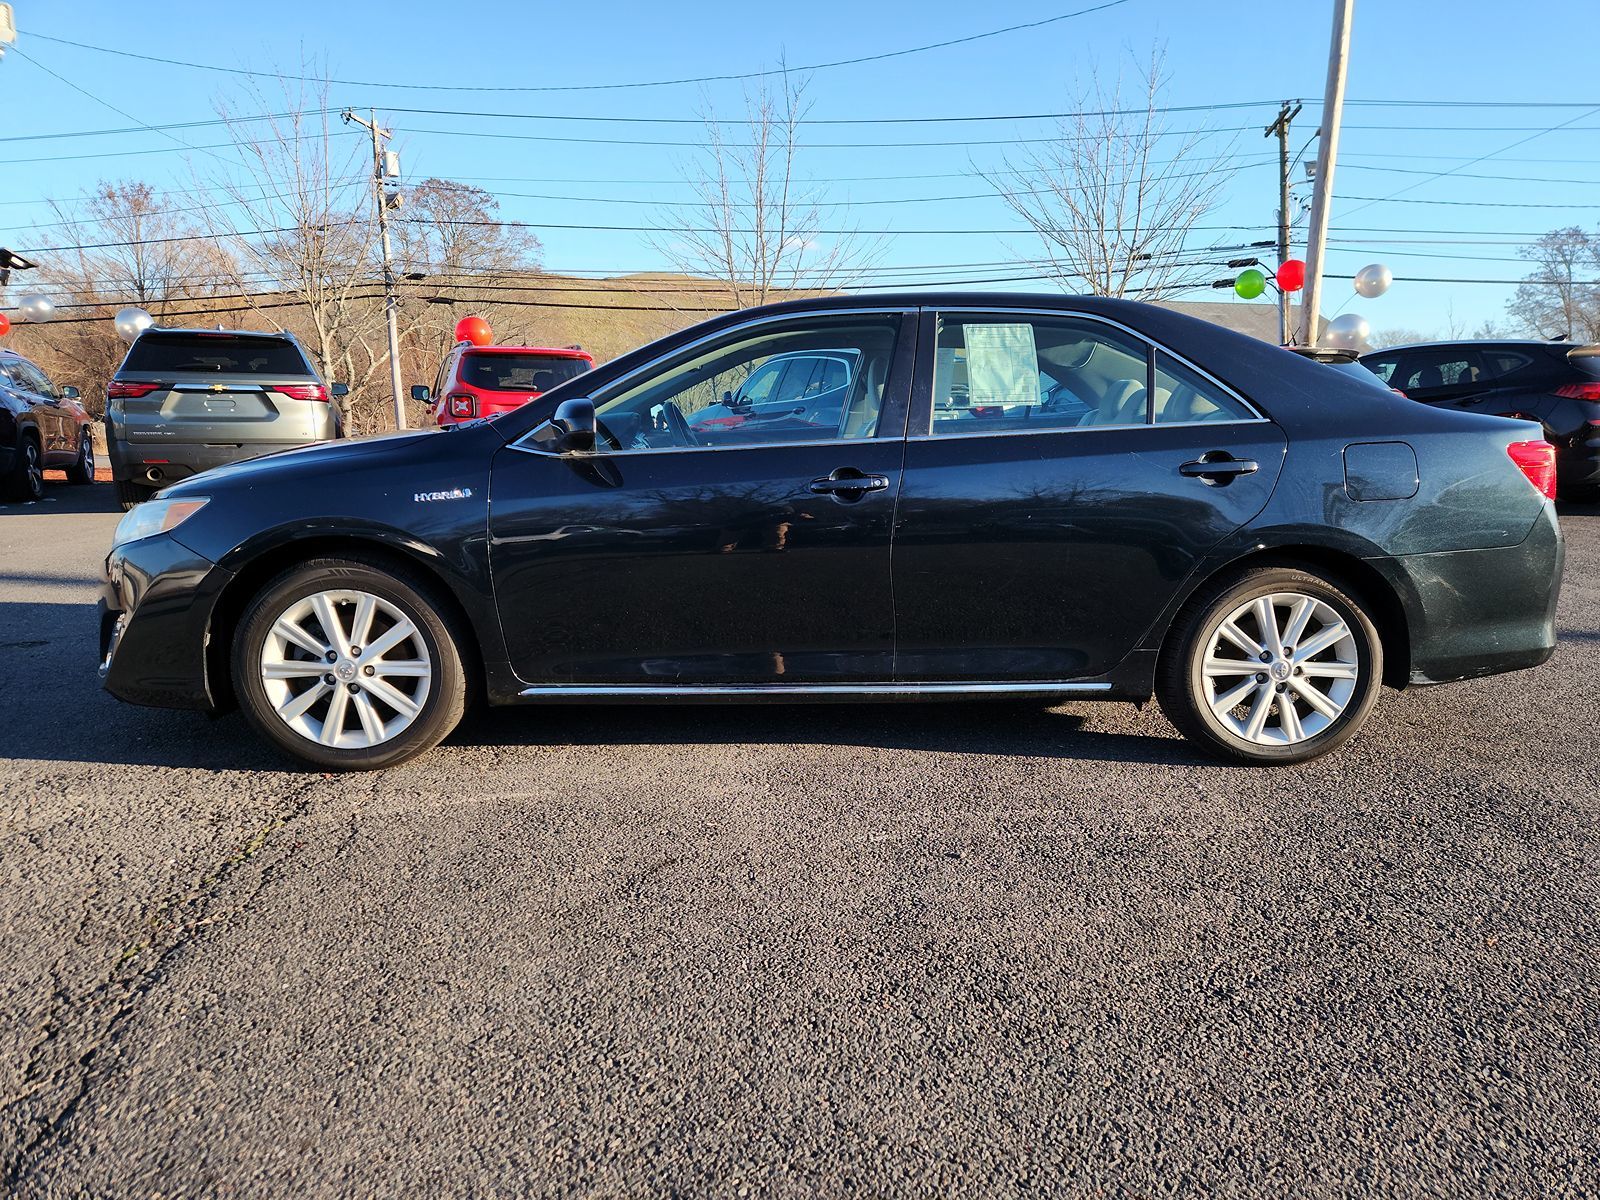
[961, 690]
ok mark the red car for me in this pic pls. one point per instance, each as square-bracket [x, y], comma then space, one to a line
[484, 381]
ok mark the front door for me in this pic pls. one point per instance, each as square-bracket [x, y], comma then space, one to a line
[748, 549]
[1063, 481]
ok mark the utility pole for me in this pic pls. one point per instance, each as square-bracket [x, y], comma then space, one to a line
[391, 300]
[1281, 128]
[1327, 156]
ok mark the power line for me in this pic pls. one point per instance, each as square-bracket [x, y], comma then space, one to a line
[594, 87]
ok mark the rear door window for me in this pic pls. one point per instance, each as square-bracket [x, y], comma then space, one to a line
[1382, 367]
[215, 354]
[1451, 368]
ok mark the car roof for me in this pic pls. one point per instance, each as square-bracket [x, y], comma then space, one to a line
[1521, 343]
[213, 331]
[552, 351]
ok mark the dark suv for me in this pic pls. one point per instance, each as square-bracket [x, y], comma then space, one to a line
[1554, 383]
[42, 427]
[188, 399]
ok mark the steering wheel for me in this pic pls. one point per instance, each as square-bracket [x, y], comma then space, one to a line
[677, 425]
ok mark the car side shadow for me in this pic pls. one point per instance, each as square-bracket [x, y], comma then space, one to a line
[951, 727]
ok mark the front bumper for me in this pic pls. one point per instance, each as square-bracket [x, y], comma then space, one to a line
[155, 614]
[1483, 612]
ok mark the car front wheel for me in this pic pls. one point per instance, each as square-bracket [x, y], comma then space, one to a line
[1274, 667]
[349, 665]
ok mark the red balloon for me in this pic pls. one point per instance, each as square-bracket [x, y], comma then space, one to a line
[475, 330]
[5, 324]
[1292, 275]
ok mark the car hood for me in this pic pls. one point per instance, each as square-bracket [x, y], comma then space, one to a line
[320, 459]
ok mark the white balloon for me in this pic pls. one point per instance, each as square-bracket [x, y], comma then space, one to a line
[1349, 331]
[131, 322]
[1373, 281]
[37, 308]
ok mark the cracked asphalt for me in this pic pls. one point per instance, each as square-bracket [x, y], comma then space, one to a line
[968, 950]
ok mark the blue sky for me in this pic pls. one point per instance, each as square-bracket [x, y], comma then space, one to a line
[1458, 226]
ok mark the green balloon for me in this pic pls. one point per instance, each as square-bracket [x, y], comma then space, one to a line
[1250, 284]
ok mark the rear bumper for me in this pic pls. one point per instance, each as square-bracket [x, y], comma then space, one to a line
[1482, 612]
[158, 464]
[155, 610]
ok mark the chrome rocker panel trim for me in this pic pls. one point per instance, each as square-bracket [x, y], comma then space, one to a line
[761, 691]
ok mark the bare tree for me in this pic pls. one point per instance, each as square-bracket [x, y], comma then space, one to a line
[756, 224]
[124, 248]
[451, 229]
[1561, 298]
[302, 239]
[129, 249]
[1114, 197]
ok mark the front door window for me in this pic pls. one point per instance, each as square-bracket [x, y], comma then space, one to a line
[819, 381]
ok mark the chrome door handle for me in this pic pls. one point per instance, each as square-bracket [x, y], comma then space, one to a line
[1219, 467]
[851, 485]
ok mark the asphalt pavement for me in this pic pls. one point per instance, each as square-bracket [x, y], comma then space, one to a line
[958, 950]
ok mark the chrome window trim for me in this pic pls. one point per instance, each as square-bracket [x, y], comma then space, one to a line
[951, 437]
[812, 689]
[940, 312]
[771, 319]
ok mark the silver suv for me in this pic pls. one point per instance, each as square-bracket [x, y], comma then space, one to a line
[188, 399]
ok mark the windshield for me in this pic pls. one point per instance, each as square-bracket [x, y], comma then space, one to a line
[519, 372]
[216, 353]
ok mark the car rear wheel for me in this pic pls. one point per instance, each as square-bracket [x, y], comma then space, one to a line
[26, 481]
[130, 494]
[82, 469]
[349, 665]
[1272, 667]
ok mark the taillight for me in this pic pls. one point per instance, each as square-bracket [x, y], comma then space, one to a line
[1536, 460]
[303, 391]
[1579, 391]
[117, 390]
[461, 405]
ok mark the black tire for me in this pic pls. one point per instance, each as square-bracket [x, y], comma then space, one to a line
[26, 481]
[82, 469]
[1182, 681]
[416, 599]
[130, 494]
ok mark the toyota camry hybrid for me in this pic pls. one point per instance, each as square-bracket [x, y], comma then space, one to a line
[1013, 497]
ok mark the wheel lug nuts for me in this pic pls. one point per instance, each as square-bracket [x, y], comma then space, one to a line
[1261, 678]
[356, 687]
[1266, 656]
[368, 670]
[1282, 687]
[327, 678]
[355, 651]
[331, 656]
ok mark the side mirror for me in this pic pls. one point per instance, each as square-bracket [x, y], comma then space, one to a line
[421, 393]
[727, 399]
[570, 429]
[339, 389]
[69, 392]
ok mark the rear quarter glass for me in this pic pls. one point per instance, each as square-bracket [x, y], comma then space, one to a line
[214, 354]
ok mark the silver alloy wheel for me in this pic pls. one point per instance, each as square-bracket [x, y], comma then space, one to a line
[32, 467]
[1280, 669]
[86, 454]
[346, 669]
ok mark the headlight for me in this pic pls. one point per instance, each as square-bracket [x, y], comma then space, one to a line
[155, 516]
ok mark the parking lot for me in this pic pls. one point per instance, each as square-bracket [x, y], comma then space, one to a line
[949, 949]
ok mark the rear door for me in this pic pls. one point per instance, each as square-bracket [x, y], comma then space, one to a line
[1062, 479]
[217, 388]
